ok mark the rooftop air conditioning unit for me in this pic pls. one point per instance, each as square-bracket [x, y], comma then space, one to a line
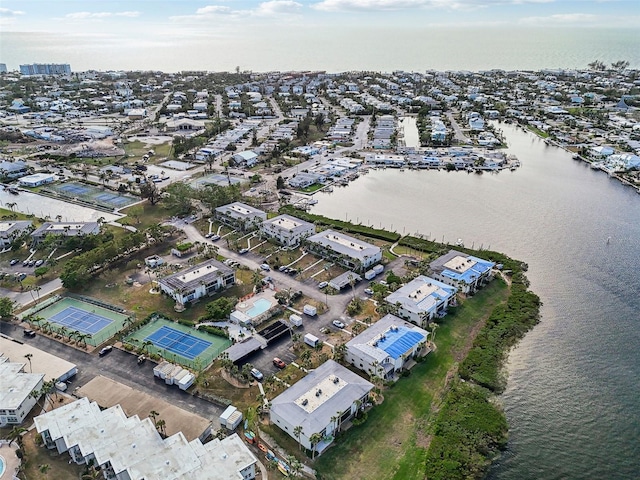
[304, 402]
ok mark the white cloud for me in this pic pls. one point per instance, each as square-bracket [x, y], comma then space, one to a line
[213, 9]
[561, 19]
[278, 7]
[377, 5]
[7, 12]
[85, 15]
[265, 9]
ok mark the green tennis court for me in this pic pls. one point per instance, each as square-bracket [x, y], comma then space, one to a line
[178, 343]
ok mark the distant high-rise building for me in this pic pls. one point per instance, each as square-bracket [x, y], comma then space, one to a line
[3, 68]
[45, 69]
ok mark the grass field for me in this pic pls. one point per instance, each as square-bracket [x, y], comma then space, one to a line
[392, 443]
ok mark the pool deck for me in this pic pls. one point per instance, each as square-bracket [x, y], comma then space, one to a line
[11, 462]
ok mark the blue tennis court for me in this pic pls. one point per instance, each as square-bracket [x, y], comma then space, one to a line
[80, 320]
[178, 342]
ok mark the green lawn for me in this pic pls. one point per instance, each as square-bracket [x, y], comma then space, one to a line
[391, 444]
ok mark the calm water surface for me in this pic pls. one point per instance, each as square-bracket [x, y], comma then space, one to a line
[573, 395]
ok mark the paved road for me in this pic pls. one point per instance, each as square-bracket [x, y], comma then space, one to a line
[119, 366]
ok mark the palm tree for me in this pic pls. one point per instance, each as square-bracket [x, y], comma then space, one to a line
[433, 326]
[11, 205]
[146, 344]
[44, 468]
[15, 435]
[82, 337]
[160, 426]
[315, 440]
[297, 431]
[91, 474]
[28, 356]
[339, 352]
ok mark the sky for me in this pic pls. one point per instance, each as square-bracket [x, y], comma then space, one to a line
[173, 34]
[191, 17]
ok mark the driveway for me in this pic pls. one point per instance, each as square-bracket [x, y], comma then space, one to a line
[119, 366]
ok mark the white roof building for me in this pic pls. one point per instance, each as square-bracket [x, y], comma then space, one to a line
[240, 215]
[287, 230]
[15, 391]
[349, 251]
[36, 179]
[127, 448]
[9, 230]
[319, 403]
[66, 229]
[203, 279]
[422, 299]
[386, 346]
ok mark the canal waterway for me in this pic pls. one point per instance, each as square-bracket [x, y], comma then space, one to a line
[573, 395]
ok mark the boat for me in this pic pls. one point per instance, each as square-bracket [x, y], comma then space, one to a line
[263, 447]
[513, 168]
[284, 468]
[459, 243]
[13, 191]
[312, 201]
[328, 189]
[249, 436]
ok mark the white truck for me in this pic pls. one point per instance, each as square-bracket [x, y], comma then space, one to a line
[369, 274]
[310, 310]
[296, 320]
[311, 340]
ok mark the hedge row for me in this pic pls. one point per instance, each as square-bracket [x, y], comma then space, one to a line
[363, 230]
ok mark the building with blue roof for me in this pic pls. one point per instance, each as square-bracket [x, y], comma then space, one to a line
[387, 346]
[461, 270]
[422, 299]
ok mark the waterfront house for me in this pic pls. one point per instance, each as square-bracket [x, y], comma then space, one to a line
[422, 299]
[320, 404]
[348, 251]
[386, 347]
[466, 272]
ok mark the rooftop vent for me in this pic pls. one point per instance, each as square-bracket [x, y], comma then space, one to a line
[305, 402]
[336, 379]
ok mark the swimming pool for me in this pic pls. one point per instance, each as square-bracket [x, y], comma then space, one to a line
[259, 307]
[1, 466]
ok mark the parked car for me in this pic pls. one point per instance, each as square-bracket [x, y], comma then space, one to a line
[14, 261]
[22, 276]
[29, 333]
[257, 374]
[323, 284]
[282, 268]
[208, 235]
[338, 323]
[38, 263]
[265, 267]
[242, 251]
[31, 263]
[215, 237]
[25, 263]
[368, 291]
[105, 350]
[279, 363]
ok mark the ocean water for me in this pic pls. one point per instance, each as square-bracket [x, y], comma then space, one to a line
[332, 49]
[573, 396]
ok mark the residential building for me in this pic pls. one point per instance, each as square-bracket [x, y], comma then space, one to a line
[287, 230]
[246, 158]
[344, 280]
[37, 179]
[11, 229]
[12, 170]
[348, 251]
[461, 270]
[386, 347]
[320, 403]
[126, 448]
[241, 216]
[422, 299]
[46, 69]
[15, 391]
[65, 229]
[203, 279]
[305, 179]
